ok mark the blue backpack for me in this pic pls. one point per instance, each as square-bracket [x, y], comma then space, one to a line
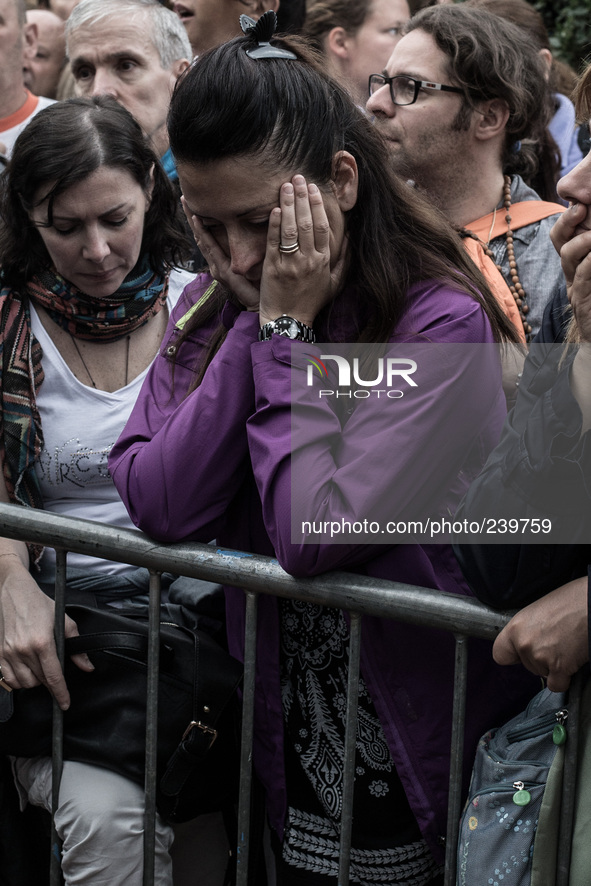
[510, 825]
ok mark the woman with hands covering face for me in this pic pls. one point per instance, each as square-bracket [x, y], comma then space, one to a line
[241, 240]
[310, 238]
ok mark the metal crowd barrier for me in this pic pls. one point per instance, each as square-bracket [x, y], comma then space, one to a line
[358, 595]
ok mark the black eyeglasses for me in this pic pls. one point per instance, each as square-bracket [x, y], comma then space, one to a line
[405, 90]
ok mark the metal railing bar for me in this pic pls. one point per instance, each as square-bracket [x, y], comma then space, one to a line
[454, 805]
[341, 590]
[245, 789]
[349, 751]
[151, 729]
[57, 732]
[356, 594]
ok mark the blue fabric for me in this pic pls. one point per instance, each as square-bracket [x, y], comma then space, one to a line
[498, 827]
[564, 131]
[169, 166]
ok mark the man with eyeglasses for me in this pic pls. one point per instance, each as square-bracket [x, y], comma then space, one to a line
[461, 94]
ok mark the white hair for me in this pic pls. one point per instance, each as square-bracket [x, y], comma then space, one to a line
[168, 33]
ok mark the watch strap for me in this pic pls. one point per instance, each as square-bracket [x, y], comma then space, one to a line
[288, 327]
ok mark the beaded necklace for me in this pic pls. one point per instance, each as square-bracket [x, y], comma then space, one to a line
[515, 286]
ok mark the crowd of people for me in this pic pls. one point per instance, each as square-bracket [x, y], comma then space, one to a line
[194, 196]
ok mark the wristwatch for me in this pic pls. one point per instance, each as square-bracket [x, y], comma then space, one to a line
[289, 327]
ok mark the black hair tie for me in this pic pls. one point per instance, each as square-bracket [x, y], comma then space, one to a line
[262, 31]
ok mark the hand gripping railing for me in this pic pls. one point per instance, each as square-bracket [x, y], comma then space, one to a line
[357, 594]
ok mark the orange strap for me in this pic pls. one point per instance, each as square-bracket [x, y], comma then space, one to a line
[524, 213]
[497, 283]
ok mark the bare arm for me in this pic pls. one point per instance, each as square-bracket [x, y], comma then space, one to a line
[27, 648]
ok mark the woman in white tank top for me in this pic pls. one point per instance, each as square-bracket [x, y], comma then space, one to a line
[91, 237]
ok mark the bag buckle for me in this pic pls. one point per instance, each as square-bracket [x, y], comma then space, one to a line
[206, 730]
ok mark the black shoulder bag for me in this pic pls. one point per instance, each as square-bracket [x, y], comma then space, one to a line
[198, 710]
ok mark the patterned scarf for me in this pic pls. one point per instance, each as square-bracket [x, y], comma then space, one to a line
[141, 295]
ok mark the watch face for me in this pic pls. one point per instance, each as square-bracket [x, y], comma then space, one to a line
[287, 326]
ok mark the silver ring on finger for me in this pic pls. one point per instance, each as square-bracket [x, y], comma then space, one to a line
[3, 682]
[288, 250]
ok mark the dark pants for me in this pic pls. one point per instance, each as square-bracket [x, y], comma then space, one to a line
[289, 876]
[25, 837]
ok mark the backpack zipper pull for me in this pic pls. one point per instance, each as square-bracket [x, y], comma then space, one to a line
[521, 797]
[559, 731]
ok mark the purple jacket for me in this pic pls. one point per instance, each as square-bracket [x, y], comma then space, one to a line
[216, 464]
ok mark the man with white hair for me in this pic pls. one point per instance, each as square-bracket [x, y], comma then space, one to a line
[18, 43]
[133, 50]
